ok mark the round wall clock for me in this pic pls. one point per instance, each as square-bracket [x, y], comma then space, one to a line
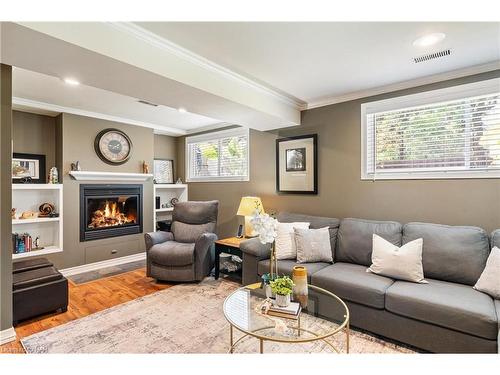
[113, 146]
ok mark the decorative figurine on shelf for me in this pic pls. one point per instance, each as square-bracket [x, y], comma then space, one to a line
[174, 201]
[179, 181]
[76, 166]
[13, 213]
[53, 176]
[145, 167]
[46, 210]
[37, 244]
[28, 215]
[26, 180]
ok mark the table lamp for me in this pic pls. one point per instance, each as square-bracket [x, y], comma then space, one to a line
[247, 208]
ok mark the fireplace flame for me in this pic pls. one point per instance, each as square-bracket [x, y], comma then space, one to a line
[110, 215]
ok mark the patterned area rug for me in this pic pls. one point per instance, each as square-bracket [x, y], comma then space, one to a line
[185, 318]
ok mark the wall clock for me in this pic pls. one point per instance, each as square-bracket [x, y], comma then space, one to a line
[113, 146]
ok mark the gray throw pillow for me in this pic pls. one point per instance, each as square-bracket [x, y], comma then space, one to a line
[313, 245]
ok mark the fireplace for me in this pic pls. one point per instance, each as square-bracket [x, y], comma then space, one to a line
[110, 211]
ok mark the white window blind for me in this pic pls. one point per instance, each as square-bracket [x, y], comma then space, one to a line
[430, 136]
[218, 156]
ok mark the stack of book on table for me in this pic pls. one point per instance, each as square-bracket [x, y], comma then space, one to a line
[292, 311]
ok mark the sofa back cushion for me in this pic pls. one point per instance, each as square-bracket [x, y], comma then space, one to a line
[451, 253]
[316, 222]
[355, 239]
[495, 239]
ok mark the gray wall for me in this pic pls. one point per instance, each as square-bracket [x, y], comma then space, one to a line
[5, 197]
[341, 191]
[35, 134]
[165, 147]
[67, 138]
[78, 134]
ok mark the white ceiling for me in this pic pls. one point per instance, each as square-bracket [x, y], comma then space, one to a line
[317, 61]
[45, 92]
[258, 75]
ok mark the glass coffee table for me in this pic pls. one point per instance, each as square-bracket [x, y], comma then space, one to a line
[243, 311]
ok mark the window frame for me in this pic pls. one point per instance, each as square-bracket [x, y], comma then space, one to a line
[216, 136]
[416, 100]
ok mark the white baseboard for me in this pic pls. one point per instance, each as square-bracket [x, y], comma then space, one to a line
[7, 335]
[105, 263]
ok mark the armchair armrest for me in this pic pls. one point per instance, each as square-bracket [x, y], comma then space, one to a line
[256, 248]
[153, 238]
[204, 242]
[203, 255]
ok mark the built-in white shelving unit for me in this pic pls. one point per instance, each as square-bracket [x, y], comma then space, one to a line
[29, 197]
[166, 192]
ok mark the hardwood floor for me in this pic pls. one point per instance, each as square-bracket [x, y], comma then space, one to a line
[89, 298]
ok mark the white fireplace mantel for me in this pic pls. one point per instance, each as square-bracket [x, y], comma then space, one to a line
[109, 176]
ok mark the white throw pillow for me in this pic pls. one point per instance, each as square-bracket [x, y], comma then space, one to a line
[489, 281]
[313, 245]
[403, 263]
[285, 240]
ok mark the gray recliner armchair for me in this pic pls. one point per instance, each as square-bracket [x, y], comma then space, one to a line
[184, 254]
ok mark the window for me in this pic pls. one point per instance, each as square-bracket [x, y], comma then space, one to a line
[448, 133]
[218, 156]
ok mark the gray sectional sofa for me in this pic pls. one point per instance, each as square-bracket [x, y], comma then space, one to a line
[444, 316]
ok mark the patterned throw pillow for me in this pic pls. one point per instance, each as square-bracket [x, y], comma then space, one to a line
[285, 240]
[313, 245]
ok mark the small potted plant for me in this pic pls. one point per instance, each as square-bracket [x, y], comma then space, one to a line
[266, 284]
[282, 287]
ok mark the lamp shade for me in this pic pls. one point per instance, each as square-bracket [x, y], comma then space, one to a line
[248, 205]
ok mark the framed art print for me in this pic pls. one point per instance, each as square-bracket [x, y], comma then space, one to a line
[297, 164]
[28, 168]
[163, 170]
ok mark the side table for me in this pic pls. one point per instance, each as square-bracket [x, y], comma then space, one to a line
[231, 246]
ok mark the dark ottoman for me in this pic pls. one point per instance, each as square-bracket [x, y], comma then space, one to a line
[38, 291]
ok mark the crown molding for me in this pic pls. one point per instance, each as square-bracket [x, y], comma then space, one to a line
[193, 58]
[476, 69]
[27, 103]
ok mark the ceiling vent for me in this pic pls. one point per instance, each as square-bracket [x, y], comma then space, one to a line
[432, 56]
[147, 103]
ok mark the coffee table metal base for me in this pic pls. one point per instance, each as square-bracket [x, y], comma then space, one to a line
[233, 343]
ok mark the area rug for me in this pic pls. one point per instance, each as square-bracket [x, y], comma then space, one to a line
[185, 318]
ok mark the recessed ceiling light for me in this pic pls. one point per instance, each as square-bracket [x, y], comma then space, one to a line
[71, 81]
[182, 110]
[429, 40]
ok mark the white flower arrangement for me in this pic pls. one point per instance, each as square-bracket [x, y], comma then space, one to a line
[265, 226]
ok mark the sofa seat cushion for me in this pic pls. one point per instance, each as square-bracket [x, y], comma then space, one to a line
[454, 306]
[286, 267]
[352, 283]
[172, 253]
[497, 308]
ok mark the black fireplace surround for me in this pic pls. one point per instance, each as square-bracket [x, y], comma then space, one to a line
[110, 211]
